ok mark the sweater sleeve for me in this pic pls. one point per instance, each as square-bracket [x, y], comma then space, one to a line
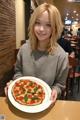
[61, 74]
[18, 66]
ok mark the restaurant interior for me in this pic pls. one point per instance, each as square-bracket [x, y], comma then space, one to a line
[14, 20]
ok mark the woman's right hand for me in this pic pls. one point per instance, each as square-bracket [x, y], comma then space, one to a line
[7, 86]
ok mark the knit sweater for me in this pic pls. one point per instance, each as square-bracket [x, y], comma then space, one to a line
[51, 68]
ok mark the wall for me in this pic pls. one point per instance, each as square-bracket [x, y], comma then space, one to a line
[20, 21]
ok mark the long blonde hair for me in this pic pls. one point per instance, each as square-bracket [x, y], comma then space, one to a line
[56, 24]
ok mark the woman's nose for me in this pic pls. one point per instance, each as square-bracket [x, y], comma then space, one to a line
[42, 28]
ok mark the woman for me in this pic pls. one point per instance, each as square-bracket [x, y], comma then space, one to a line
[41, 56]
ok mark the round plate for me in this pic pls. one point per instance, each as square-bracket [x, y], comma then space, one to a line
[31, 109]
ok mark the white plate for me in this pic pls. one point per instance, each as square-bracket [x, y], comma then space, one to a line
[32, 109]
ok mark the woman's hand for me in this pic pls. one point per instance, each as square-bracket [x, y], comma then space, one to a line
[54, 96]
[6, 88]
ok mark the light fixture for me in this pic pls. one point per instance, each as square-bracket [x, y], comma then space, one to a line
[73, 0]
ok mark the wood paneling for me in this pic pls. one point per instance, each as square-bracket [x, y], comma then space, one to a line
[7, 36]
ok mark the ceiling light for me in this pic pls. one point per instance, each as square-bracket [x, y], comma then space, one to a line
[73, 0]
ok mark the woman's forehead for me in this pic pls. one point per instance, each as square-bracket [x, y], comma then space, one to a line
[44, 16]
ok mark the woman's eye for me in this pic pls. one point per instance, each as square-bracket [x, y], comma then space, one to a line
[49, 25]
[38, 23]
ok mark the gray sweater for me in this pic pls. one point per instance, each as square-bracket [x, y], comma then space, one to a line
[53, 69]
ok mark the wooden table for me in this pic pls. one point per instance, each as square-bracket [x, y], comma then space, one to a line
[62, 110]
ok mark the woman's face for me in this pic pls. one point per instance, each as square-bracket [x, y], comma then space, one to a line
[42, 27]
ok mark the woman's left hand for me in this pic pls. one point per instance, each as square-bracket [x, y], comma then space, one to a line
[53, 96]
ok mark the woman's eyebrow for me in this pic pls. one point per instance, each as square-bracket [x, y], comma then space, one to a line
[38, 19]
[48, 22]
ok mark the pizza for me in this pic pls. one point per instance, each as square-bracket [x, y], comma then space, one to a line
[27, 92]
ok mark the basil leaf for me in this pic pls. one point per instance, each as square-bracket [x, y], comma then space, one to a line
[35, 89]
[25, 98]
[35, 98]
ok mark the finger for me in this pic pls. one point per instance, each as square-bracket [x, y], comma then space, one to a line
[53, 97]
[6, 90]
[7, 84]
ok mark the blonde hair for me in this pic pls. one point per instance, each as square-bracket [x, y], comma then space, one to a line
[56, 24]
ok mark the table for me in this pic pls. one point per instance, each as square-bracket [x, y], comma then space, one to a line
[62, 110]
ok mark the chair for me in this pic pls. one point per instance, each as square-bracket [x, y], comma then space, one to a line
[73, 74]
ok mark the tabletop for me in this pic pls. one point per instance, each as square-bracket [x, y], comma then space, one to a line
[62, 110]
